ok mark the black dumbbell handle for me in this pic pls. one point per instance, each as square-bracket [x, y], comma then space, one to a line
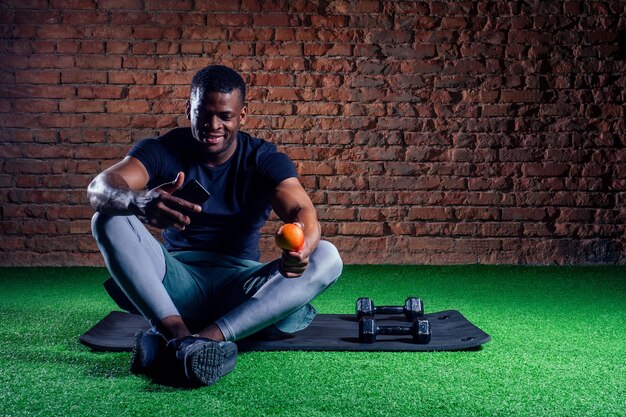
[393, 330]
[389, 310]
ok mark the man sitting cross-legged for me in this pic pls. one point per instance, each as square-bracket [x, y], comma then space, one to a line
[204, 288]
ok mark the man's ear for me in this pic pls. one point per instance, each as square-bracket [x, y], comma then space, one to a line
[243, 115]
[188, 110]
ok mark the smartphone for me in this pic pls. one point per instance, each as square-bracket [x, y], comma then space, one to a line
[193, 191]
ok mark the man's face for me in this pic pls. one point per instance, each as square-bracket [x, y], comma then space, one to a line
[215, 120]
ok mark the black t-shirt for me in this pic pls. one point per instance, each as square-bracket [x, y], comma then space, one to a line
[241, 190]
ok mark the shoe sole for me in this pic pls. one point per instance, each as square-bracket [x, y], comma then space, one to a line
[146, 352]
[136, 366]
[208, 362]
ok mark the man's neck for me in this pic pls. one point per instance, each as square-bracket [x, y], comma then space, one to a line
[213, 161]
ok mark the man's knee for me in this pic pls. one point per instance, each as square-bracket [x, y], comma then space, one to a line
[98, 225]
[103, 226]
[328, 263]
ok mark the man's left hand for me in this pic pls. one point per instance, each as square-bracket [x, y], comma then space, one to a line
[293, 264]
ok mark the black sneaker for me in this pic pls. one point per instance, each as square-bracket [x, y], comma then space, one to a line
[148, 352]
[204, 361]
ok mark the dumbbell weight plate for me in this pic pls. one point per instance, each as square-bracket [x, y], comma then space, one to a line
[414, 308]
[367, 330]
[423, 335]
[364, 308]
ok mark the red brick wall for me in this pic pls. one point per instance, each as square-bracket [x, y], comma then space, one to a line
[426, 132]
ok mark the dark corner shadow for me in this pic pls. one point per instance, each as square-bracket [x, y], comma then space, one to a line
[166, 383]
[621, 44]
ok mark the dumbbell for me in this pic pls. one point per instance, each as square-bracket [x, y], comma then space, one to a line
[413, 308]
[368, 330]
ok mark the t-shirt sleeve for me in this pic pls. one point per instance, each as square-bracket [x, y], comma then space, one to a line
[150, 153]
[276, 166]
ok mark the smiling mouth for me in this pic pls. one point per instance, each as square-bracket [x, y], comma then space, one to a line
[211, 139]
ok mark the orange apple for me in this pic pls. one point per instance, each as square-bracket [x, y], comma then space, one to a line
[290, 237]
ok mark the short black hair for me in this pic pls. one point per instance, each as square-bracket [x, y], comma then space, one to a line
[219, 79]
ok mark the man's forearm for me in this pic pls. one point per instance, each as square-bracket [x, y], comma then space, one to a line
[312, 232]
[110, 194]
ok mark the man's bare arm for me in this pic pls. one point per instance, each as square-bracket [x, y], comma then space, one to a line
[293, 205]
[121, 190]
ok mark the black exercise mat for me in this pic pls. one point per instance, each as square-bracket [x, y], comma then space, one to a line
[115, 332]
[328, 332]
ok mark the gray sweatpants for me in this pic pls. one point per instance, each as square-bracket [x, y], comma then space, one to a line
[241, 297]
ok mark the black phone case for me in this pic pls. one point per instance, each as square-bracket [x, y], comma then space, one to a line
[193, 191]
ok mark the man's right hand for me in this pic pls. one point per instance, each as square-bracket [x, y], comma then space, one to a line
[120, 191]
[159, 208]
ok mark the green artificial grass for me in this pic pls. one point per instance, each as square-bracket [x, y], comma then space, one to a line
[558, 349]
